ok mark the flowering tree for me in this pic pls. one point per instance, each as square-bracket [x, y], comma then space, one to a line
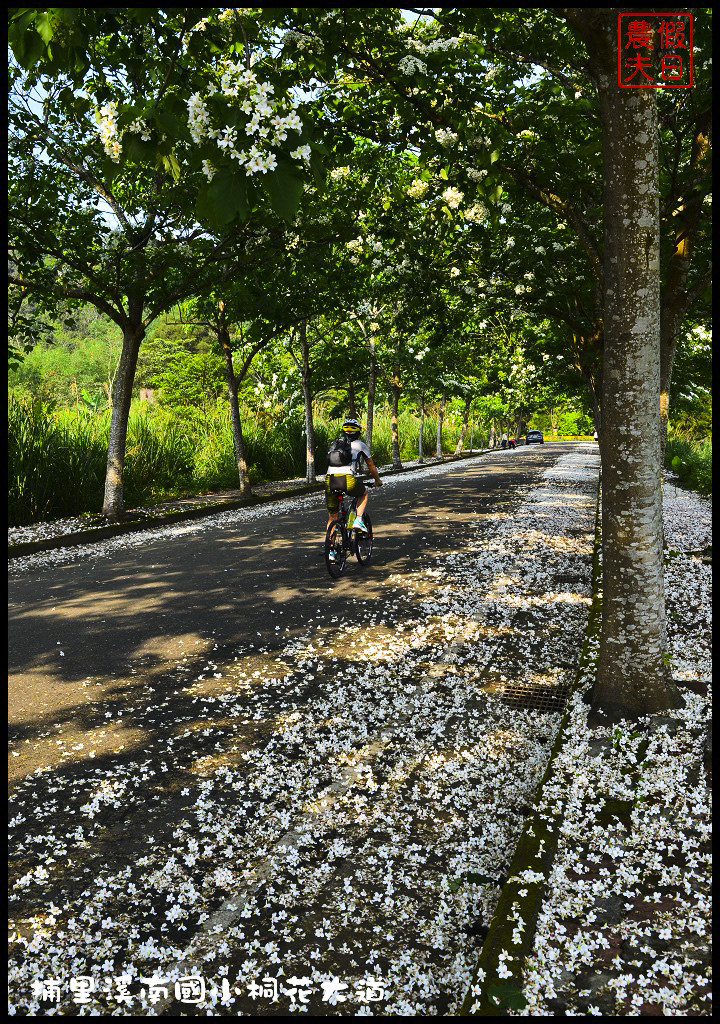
[522, 102]
[140, 141]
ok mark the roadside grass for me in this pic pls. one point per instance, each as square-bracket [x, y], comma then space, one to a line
[691, 460]
[57, 457]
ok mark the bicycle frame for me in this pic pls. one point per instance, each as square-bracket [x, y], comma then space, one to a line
[350, 540]
[344, 511]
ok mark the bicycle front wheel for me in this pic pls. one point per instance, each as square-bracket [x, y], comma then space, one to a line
[335, 554]
[364, 541]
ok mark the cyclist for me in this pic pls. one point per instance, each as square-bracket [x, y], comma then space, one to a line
[348, 478]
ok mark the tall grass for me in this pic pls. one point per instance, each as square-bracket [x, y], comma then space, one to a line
[691, 460]
[57, 458]
[56, 466]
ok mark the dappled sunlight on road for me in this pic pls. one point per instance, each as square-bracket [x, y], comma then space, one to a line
[342, 753]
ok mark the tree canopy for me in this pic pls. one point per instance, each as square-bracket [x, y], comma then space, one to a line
[432, 202]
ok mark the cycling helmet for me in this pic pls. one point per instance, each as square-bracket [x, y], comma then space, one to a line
[352, 427]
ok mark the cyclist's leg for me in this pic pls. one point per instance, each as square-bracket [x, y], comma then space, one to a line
[357, 490]
[331, 500]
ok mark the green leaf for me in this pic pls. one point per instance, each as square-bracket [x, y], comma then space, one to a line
[507, 995]
[110, 169]
[476, 879]
[174, 166]
[317, 168]
[169, 123]
[28, 49]
[286, 189]
[44, 27]
[138, 150]
[19, 21]
[223, 199]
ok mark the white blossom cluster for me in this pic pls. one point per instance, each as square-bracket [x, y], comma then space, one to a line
[410, 65]
[441, 45]
[445, 137]
[303, 40]
[418, 188]
[269, 121]
[476, 214]
[453, 197]
[110, 135]
[419, 355]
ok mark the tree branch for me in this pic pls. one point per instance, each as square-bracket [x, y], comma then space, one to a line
[71, 293]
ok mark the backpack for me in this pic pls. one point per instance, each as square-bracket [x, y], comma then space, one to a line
[340, 451]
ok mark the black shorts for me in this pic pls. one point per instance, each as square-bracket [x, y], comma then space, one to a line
[352, 485]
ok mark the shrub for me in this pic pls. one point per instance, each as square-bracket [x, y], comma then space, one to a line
[691, 460]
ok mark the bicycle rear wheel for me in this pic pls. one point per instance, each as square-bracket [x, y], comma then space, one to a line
[334, 543]
[364, 541]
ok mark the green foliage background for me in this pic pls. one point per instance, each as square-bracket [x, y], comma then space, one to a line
[59, 419]
[168, 456]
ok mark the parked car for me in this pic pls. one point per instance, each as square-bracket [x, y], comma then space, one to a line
[534, 437]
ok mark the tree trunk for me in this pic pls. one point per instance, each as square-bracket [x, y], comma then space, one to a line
[676, 299]
[595, 397]
[463, 432]
[372, 380]
[307, 396]
[517, 428]
[632, 678]
[352, 405]
[133, 334]
[242, 467]
[397, 464]
[422, 427]
[441, 420]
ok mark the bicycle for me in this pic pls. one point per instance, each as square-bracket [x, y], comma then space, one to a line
[343, 540]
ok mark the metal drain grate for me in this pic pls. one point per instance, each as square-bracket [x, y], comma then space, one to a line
[534, 698]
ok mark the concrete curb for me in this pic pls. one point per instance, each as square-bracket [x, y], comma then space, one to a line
[98, 533]
[535, 851]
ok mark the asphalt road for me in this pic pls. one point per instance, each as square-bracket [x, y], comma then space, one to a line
[89, 638]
